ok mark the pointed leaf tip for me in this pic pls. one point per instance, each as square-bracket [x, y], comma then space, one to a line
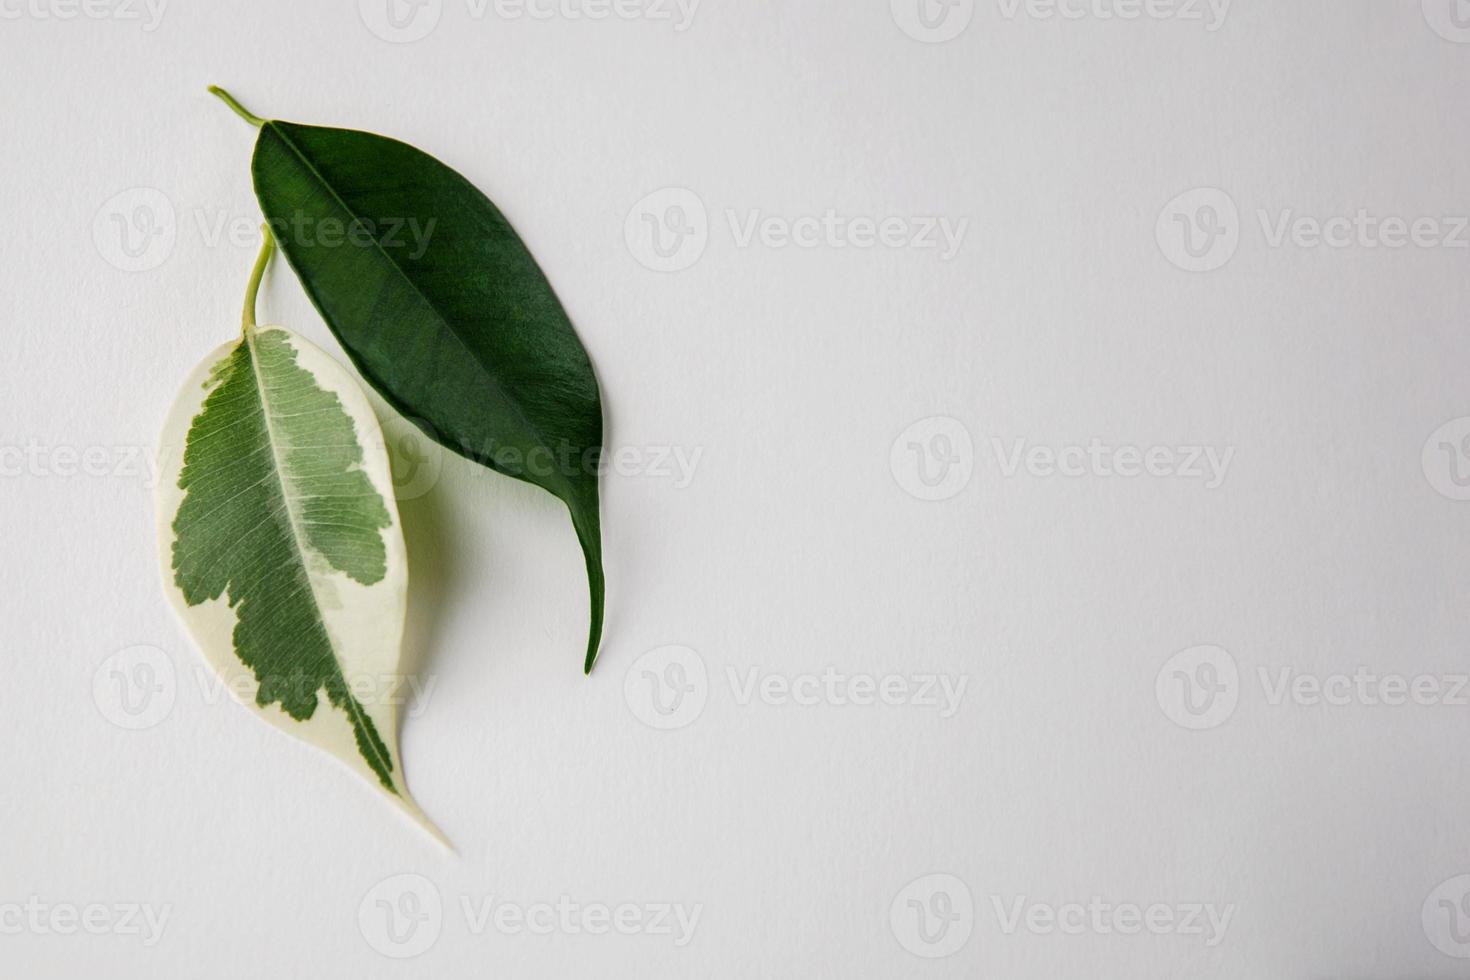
[281, 548]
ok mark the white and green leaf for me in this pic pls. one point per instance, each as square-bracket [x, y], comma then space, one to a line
[281, 544]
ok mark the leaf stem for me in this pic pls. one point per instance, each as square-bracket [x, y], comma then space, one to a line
[252, 288]
[236, 107]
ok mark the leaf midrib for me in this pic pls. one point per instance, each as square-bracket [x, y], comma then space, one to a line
[274, 126]
[299, 535]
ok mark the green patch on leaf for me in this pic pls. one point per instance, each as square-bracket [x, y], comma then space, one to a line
[275, 501]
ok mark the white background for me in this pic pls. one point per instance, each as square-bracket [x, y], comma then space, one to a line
[1334, 543]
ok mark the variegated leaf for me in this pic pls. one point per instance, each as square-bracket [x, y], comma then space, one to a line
[282, 548]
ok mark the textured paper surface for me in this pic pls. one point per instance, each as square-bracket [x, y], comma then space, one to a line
[819, 393]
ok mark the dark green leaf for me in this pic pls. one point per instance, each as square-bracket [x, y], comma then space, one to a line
[442, 308]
